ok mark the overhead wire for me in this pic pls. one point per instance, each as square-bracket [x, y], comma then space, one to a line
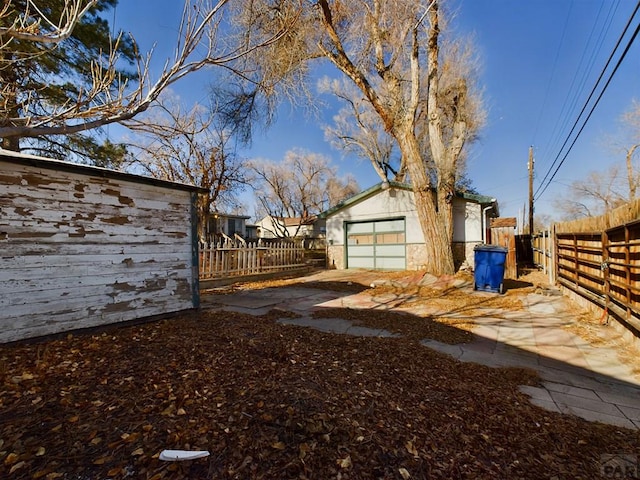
[553, 71]
[557, 157]
[547, 178]
[578, 87]
[544, 187]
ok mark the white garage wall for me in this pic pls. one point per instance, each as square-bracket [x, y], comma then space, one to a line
[400, 203]
[386, 204]
[467, 224]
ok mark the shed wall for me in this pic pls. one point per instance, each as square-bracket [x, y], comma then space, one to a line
[82, 250]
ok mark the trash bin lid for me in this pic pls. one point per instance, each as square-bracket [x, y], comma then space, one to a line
[490, 248]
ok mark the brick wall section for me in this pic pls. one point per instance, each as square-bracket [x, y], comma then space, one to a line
[335, 257]
[416, 254]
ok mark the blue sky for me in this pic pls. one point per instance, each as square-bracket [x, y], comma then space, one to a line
[539, 61]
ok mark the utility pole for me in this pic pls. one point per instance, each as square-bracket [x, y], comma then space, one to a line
[531, 191]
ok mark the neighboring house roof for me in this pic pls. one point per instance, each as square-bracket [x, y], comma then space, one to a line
[472, 197]
[291, 221]
[510, 222]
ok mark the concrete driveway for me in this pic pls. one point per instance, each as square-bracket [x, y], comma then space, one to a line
[579, 377]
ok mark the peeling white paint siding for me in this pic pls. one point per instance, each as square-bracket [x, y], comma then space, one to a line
[82, 249]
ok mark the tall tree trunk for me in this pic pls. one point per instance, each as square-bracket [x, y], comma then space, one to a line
[435, 211]
[435, 222]
[444, 157]
[435, 215]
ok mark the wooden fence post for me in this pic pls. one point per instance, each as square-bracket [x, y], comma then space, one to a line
[605, 276]
[627, 267]
[576, 260]
[553, 261]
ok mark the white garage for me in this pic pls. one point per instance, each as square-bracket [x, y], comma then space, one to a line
[378, 229]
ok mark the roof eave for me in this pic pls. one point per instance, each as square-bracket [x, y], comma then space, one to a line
[481, 199]
[363, 195]
[64, 166]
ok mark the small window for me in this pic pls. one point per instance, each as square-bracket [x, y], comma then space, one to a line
[390, 238]
[360, 239]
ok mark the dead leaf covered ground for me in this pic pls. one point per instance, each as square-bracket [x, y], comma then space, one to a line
[278, 402]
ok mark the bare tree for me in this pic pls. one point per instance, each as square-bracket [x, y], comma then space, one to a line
[188, 147]
[357, 130]
[110, 97]
[303, 185]
[594, 195]
[34, 24]
[541, 222]
[631, 121]
[391, 51]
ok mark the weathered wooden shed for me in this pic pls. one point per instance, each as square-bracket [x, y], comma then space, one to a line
[84, 246]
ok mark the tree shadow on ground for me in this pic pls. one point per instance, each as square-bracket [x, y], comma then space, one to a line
[347, 286]
[403, 323]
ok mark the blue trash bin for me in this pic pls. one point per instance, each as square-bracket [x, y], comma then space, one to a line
[488, 273]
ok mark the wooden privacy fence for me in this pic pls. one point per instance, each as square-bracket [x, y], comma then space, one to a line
[604, 267]
[226, 259]
[542, 253]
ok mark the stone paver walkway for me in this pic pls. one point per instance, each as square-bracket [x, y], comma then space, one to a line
[579, 378]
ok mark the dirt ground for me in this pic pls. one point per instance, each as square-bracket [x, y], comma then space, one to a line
[274, 401]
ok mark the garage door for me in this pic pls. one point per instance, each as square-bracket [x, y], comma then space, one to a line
[378, 245]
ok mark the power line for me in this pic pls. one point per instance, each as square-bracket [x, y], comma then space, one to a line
[578, 84]
[544, 186]
[589, 98]
[553, 71]
[624, 54]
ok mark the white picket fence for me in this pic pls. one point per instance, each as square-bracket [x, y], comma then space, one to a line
[226, 259]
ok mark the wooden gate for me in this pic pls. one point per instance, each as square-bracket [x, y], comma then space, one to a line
[503, 234]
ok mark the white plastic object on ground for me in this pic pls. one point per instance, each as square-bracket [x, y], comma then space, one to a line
[181, 455]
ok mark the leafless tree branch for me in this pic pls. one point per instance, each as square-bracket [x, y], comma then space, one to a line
[112, 99]
[301, 186]
[33, 25]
